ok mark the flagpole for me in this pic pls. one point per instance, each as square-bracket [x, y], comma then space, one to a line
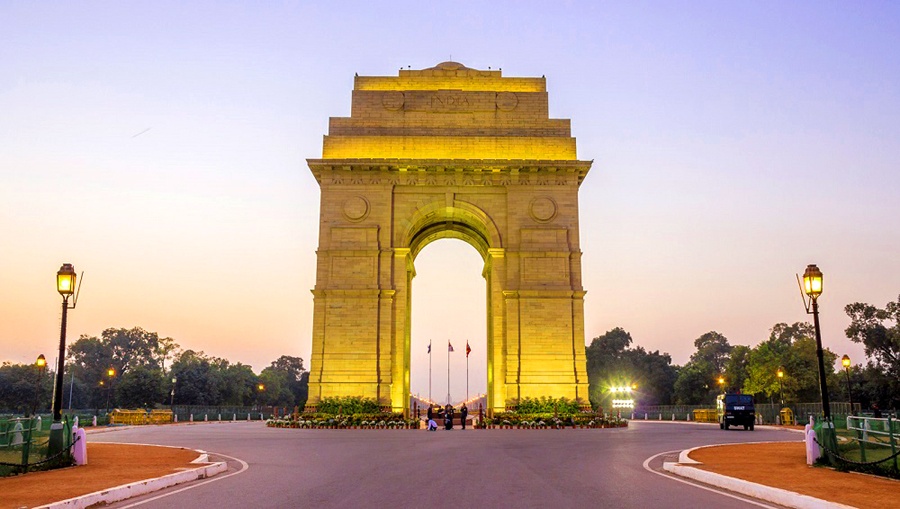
[448, 372]
[429, 373]
[467, 371]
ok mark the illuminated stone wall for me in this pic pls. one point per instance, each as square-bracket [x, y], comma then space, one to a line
[448, 152]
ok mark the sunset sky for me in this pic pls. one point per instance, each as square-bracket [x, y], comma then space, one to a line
[161, 148]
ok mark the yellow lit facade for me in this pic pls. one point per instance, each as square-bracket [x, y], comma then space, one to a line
[448, 152]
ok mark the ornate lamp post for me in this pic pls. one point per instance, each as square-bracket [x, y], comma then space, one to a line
[40, 364]
[812, 287]
[845, 361]
[780, 374]
[65, 285]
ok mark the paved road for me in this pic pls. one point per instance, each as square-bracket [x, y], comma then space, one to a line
[453, 469]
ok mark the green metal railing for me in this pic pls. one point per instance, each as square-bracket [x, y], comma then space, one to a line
[877, 435]
[25, 444]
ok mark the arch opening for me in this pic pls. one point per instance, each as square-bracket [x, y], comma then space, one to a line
[447, 306]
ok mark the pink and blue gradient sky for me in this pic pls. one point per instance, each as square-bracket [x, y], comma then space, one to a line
[733, 144]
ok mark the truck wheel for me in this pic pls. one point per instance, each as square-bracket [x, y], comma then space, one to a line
[751, 427]
[726, 426]
[746, 427]
[721, 425]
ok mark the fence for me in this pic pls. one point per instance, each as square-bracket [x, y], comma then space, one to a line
[187, 413]
[25, 443]
[878, 433]
[767, 413]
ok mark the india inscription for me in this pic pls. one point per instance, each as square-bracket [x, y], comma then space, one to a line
[448, 152]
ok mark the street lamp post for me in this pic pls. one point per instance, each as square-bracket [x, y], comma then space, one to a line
[845, 361]
[40, 364]
[172, 402]
[721, 382]
[110, 373]
[812, 287]
[65, 285]
[780, 375]
[260, 388]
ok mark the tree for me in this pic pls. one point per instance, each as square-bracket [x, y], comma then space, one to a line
[873, 328]
[696, 382]
[24, 388]
[120, 349]
[141, 387]
[294, 377]
[199, 381]
[712, 349]
[736, 369]
[611, 362]
[694, 385]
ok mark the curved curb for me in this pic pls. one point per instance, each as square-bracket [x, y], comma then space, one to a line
[750, 489]
[144, 487]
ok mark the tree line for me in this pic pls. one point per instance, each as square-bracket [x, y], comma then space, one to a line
[143, 366]
[716, 365]
[134, 368]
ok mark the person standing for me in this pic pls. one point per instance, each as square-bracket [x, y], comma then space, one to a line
[448, 417]
[463, 413]
[431, 411]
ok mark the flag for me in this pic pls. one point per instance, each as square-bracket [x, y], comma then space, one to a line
[429, 347]
[449, 347]
[468, 349]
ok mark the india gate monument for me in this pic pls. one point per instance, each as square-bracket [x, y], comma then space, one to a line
[448, 152]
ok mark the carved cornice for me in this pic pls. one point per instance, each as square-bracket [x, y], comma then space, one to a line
[449, 172]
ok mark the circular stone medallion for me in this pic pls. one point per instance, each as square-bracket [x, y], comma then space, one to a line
[543, 209]
[392, 101]
[507, 101]
[356, 208]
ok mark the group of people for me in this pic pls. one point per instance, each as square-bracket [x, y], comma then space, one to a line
[445, 413]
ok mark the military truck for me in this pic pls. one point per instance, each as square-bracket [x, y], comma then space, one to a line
[735, 410]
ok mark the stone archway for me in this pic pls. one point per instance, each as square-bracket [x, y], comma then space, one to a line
[448, 152]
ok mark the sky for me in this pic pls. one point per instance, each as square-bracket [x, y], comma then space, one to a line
[160, 147]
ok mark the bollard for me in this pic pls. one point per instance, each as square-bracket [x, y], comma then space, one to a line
[175, 418]
[688, 417]
[660, 416]
[812, 448]
[248, 416]
[94, 422]
[75, 422]
[220, 417]
[260, 416]
[205, 417]
[17, 434]
[645, 416]
[79, 448]
[234, 417]
[39, 423]
[632, 416]
[191, 418]
[673, 416]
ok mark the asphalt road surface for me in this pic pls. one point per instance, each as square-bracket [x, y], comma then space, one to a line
[286, 468]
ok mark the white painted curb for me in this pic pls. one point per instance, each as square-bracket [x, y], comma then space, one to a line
[751, 489]
[139, 488]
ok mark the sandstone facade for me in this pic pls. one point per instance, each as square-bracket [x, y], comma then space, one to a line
[448, 152]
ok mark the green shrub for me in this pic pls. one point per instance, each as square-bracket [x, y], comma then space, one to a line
[547, 405]
[348, 405]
